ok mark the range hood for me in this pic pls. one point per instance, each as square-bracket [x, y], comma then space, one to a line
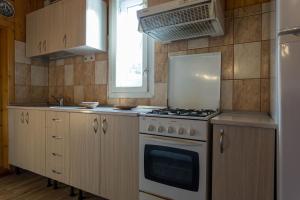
[182, 19]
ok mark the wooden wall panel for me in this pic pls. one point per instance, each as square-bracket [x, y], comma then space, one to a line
[232, 4]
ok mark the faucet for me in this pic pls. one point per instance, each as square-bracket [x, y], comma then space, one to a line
[60, 101]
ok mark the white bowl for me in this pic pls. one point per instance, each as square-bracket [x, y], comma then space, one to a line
[89, 104]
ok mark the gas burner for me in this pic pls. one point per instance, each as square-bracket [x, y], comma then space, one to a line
[184, 113]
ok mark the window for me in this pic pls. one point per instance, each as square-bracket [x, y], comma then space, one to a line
[131, 53]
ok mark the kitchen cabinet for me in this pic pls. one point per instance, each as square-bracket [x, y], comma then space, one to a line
[119, 157]
[85, 152]
[243, 163]
[72, 26]
[27, 140]
[57, 146]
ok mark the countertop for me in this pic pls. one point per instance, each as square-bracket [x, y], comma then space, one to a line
[101, 110]
[258, 120]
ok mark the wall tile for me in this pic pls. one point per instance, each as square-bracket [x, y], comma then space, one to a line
[101, 69]
[22, 74]
[265, 95]
[60, 62]
[197, 51]
[68, 95]
[247, 60]
[52, 75]
[161, 67]
[247, 29]
[161, 48]
[265, 59]
[20, 53]
[78, 68]
[39, 76]
[89, 93]
[248, 11]
[60, 75]
[39, 94]
[178, 46]
[246, 95]
[78, 94]
[101, 57]
[161, 93]
[69, 75]
[69, 61]
[88, 73]
[197, 43]
[227, 39]
[268, 7]
[266, 19]
[78, 60]
[227, 60]
[226, 94]
[22, 94]
[101, 94]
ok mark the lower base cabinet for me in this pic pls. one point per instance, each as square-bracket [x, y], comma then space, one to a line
[243, 163]
[104, 155]
[27, 140]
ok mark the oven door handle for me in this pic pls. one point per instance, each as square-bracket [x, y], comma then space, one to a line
[174, 141]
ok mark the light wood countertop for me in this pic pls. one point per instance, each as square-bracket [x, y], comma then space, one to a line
[258, 120]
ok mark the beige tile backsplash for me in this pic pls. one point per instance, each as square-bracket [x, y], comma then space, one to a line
[245, 67]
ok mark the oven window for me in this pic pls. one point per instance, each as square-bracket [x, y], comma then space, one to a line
[172, 166]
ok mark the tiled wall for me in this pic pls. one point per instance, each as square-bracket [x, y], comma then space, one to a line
[31, 78]
[245, 66]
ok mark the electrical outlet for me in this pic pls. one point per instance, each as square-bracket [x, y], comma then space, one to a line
[89, 58]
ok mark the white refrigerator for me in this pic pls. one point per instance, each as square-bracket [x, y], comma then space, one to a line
[289, 99]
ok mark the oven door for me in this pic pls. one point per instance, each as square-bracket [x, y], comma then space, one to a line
[173, 168]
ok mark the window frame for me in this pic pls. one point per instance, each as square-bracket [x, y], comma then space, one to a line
[147, 90]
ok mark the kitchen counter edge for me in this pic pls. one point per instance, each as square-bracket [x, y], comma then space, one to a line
[99, 110]
[256, 120]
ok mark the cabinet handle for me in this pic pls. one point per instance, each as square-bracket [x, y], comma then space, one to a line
[104, 125]
[56, 119]
[221, 141]
[96, 125]
[27, 118]
[56, 172]
[45, 45]
[22, 118]
[56, 154]
[65, 40]
[56, 137]
[40, 46]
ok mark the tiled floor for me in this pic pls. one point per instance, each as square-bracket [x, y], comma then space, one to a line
[27, 186]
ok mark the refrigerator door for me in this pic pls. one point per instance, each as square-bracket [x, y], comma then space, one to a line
[289, 134]
[289, 15]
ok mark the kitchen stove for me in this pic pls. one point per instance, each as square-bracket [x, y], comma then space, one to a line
[203, 114]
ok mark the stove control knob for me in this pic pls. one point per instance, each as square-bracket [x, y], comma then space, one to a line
[181, 131]
[160, 129]
[151, 128]
[192, 132]
[171, 129]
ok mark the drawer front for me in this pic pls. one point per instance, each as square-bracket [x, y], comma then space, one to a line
[55, 167]
[55, 145]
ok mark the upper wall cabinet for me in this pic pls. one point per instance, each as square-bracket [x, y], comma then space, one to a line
[67, 27]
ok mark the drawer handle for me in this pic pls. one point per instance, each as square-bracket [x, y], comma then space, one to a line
[56, 172]
[221, 141]
[57, 137]
[56, 154]
[56, 119]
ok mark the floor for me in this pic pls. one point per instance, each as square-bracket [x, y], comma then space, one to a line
[27, 186]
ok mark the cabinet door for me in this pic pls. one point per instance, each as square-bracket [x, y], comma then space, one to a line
[74, 23]
[57, 146]
[85, 152]
[55, 36]
[243, 163]
[35, 121]
[21, 140]
[119, 140]
[33, 34]
[16, 131]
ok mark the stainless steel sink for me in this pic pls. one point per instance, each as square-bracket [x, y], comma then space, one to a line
[67, 107]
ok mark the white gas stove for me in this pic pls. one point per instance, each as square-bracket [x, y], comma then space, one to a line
[174, 142]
